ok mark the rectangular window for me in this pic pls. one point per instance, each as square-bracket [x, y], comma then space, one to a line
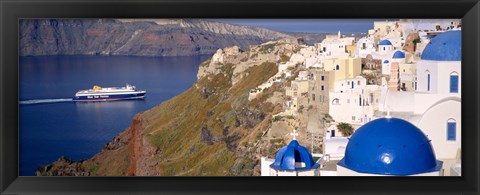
[451, 131]
[322, 88]
[348, 101]
[428, 82]
[313, 97]
[353, 118]
[453, 83]
[323, 78]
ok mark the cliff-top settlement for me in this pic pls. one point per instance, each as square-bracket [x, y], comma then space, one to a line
[402, 77]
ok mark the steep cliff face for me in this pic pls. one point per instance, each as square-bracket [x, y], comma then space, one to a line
[210, 129]
[175, 37]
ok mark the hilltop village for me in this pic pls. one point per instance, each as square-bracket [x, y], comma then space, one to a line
[388, 103]
[399, 70]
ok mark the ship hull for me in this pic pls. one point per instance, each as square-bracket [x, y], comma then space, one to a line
[108, 97]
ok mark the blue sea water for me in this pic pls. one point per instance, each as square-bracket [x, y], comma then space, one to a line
[50, 125]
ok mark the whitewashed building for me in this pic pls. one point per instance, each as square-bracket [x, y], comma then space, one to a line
[364, 47]
[436, 105]
[351, 101]
[335, 46]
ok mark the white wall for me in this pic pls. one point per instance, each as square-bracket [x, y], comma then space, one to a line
[369, 47]
[439, 76]
[434, 124]
[349, 109]
[385, 48]
[345, 85]
[265, 166]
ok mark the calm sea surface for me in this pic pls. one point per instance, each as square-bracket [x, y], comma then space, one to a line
[52, 126]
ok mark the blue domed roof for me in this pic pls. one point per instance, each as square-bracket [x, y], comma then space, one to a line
[293, 153]
[398, 54]
[446, 46]
[390, 146]
[386, 62]
[385, 42]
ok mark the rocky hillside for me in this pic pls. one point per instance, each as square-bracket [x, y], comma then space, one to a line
[210, 129]
[147, 37]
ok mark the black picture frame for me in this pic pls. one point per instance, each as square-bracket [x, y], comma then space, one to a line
[11, 11]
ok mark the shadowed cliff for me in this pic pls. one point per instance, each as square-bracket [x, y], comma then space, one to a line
[161, 37]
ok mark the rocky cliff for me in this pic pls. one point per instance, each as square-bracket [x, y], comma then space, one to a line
[210, 129]
[143, 37]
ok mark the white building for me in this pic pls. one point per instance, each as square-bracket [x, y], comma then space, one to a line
[436, 105]
[334, 147]
[364, 47]
[351, 101]
[438, 81]
[385, 46]
[335, 46]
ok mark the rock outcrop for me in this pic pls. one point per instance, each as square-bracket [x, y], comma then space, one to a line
[269, 52]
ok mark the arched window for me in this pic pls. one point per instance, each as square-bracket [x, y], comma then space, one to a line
[337, 67]
[454, 82]
[336, 101]
[451, 130]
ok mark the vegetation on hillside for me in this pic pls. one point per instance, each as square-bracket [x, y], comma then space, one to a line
[199, 131]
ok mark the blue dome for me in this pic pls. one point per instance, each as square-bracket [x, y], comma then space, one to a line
[386, 62]
[291, 154]
[385, 42]
[398, 54]
[390, 146]
[444, 47]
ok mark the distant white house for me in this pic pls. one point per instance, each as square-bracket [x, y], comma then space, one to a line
[335, 46]
[352, 101]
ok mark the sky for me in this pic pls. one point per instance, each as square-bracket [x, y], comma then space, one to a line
[308, 25]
